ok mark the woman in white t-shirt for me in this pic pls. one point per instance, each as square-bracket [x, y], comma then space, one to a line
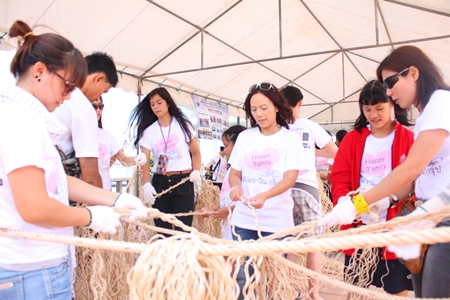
[265, 163]
[161, 128]
[411, 78]
[34, 190]
[109, 150]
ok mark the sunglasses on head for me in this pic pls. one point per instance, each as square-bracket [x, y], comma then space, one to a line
[390, 81]
[264, 86]
[98, 106]
[70, 86]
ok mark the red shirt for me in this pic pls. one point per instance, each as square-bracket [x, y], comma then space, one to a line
[346, 172]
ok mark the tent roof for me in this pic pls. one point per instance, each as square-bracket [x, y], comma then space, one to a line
[217, 49]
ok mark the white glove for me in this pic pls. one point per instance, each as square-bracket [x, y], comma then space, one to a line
[140, 159]
[434, 204]
[195, 176]
[139, 211]
[343, 213]
[343, 198]
[381, 205]
[149, 193]
[411, 251]
[103, 219]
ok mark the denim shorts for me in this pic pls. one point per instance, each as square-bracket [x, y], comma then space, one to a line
[51, 283]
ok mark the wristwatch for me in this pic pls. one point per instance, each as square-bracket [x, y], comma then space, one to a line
[393, 199]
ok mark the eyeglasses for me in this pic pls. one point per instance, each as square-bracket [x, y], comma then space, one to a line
[98, 106]
[264, 86]
[390, 81]
[69, 86]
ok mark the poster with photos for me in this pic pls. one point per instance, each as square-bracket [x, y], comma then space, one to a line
[212, 118]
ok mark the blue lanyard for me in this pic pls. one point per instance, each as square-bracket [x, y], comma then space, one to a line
[165, 142]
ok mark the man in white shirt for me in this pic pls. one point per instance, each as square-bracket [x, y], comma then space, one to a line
[80, 119]
[307, 204]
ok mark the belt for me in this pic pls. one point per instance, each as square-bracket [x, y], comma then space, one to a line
[176, 173]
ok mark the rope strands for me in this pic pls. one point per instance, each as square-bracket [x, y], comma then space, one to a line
[328, 243]
[199, 266]
[441, 234]
[207, 196]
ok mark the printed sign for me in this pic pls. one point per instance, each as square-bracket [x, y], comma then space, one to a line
[212, 118]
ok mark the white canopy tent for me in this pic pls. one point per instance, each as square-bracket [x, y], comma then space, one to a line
[217, 49]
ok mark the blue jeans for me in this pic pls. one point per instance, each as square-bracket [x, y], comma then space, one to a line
[45, 284]
[246, 234]
[434, 280]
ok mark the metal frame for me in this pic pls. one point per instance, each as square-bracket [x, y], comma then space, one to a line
[344, 51]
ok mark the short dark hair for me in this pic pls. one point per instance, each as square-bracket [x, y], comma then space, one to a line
[341, 134]
[292, 94]
[101, 62]
[374, 93]
[232, 133]
[284, 115]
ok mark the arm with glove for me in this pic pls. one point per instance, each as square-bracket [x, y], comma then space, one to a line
[140, 159]
[422, 151]
[149, 190]
[196, 161]
[82, 192]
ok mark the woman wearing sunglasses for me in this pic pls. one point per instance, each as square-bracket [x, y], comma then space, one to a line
[162, 128]
[411, 78]
[34, 189]
[109, 150]
[265, 163]
[369, 153]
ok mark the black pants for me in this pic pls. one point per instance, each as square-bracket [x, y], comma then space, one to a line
[177, 200]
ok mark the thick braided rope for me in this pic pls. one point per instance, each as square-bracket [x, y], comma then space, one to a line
[429, 236]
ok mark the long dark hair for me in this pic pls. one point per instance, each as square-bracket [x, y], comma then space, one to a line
[284, 114]
[143, 116]
[232, 133]
[430, 78]
[53, 50]
[373, 93]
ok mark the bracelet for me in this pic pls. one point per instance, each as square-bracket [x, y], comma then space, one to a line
[116, 200]
[360, 204]
[90, 217]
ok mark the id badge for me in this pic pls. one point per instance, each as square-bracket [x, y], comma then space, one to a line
[161, 166]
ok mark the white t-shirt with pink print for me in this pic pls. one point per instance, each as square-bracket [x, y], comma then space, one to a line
[262, 161]
[25, 141]
[107, 147]
[175, 145]
[224, 201]
[376, 164]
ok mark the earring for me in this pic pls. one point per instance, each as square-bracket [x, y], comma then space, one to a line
[37, 78]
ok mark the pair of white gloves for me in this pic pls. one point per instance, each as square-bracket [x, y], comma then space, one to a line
[344, 213]
[105, 219]
[150, 192]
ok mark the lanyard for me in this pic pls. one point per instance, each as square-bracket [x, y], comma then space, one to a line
[165, 142]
